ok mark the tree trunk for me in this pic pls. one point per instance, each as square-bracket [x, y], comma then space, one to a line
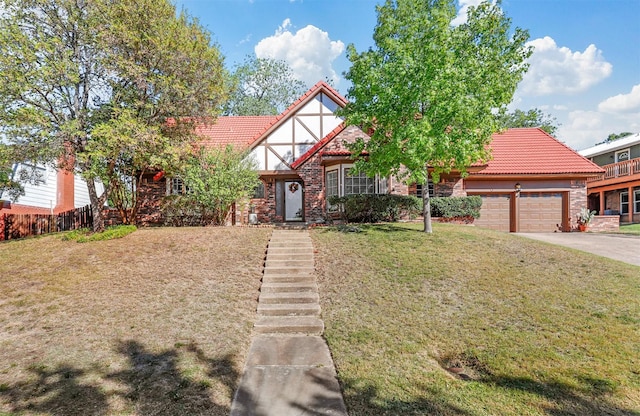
[426, 205]
[426, 208]
[96, 206]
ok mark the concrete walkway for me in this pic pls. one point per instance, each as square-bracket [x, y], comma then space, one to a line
[289, 370]
[625, 248]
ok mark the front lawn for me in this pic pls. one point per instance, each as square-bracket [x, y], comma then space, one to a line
[630, 229]
[157, 322]
[475, 322]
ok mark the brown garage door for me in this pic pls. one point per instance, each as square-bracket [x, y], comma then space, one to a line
[539, 212]
[494, 212]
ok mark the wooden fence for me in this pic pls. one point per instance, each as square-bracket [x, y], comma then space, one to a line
[14, 226]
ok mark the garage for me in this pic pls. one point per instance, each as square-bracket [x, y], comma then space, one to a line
[539, 212]
[495, 212]
[533, 212]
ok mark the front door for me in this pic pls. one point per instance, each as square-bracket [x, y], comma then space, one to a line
[293, 197]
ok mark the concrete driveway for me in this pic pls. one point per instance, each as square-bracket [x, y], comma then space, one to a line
[625, 248]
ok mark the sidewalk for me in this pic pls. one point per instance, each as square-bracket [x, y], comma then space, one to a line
[288, 370]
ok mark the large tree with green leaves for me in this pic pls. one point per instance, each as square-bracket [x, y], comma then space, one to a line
[214, 180]
[532, 118]
[89, 85]
[428, 90]
[262, 86]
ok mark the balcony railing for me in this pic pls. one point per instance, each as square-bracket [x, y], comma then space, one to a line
[620, 169]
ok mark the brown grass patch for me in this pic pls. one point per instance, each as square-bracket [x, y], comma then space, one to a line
[155, 323]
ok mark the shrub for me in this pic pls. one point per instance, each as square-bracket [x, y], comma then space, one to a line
[181, 211]
[376, 208]
[456, 207]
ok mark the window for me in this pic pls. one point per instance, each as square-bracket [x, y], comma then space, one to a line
[331, 182]
[358, 183]
[622, 155]
[624, 202]
[178, 187]
[258, 192]
[430, 187]
[636, 201]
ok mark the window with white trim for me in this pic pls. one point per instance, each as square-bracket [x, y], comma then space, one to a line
[624, 202]
[636, 201]
[331, 185]
[358, 183]
[622, 155]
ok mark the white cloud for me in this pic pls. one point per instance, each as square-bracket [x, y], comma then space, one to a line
[622, 102]
[584, 129]
[463, 10]
[309, 52]
[558, 70]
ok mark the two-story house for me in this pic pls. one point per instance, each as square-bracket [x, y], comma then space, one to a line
[617, 191]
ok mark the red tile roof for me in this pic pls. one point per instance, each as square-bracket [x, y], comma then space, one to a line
[531, 151]
[234, 130]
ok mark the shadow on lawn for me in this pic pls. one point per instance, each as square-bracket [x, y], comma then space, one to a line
[590, 399]
[151, 383]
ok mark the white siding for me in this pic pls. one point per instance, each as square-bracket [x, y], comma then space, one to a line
[42, 195]
[81, 192]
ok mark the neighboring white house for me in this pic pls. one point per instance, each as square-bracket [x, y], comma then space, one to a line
[51, 192]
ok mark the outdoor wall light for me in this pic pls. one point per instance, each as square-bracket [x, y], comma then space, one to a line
[518, 188]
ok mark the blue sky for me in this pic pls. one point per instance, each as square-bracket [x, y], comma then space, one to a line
[585, 70]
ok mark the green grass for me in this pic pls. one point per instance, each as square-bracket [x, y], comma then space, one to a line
[630, 229]
[475, 322]
[84, 235]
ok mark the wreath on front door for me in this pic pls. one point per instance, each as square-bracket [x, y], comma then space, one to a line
[293, 187]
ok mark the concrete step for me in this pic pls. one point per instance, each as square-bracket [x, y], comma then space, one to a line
[290, 244]
[296, 309]
[288, 297]
[289, 325]
[290, 256]
[288, 278]
[282, 270]
[291, 250]
[294, 287]
[308, 262]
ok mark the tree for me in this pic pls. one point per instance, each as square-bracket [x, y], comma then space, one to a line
[215, 179]
[8, 186]
[615, 136]
[263, 86]
[428, 90]
[89, 85]
[531, 118]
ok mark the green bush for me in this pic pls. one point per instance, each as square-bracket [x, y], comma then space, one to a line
[376, 208]
[458, 207]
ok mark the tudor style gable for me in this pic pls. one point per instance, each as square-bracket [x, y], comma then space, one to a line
[298, 129]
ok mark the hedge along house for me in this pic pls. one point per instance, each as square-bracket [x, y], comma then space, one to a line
[533, 183]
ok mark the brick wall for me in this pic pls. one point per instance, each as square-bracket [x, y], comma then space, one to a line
[312, 174]
[577, 200]
[150, 200]
[604, 223]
